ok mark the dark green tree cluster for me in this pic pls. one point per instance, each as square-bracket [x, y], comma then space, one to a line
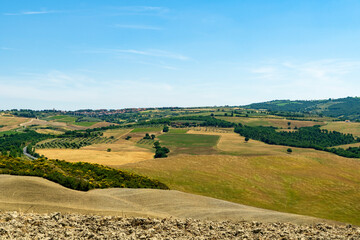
[165, 128]
[81, 134]
[205, 121]
[79, 176]
[307, 137]
[24, 113]
[342, 108]
[147, 136]
[160, 152]
[351, 152]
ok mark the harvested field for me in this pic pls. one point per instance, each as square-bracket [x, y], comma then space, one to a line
[9, 122]
[118, 146]
[48, 131]
[343, 127]
[115, 158]
[116, 133]
[101, 124]
[62, 125]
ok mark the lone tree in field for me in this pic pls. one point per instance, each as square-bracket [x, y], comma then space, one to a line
[165, 129]
[289, 150]
[160, 152]
[289, 123]
[108, 150]
[247, 139]
[127, 137]
[147, 136]
[152, 136]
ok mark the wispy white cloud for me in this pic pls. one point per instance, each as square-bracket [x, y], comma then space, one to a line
[151, 53]
[30, 13]
[7, 49]
[155, 53]
[142, 9]
[140, 27]
[160, 65]
[310, 80]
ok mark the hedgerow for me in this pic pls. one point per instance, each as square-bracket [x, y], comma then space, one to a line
[79, 176]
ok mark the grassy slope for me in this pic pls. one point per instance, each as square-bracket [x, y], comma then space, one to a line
[305, 182]
[344, 127]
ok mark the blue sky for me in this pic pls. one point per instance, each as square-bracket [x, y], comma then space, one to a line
[117, 54]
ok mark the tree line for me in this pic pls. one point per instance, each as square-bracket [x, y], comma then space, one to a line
[305, 137]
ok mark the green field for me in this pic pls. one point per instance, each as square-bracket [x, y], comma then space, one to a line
[178, 130]
[62, 118]
[189, 143]
[70, 120]
[147, 130]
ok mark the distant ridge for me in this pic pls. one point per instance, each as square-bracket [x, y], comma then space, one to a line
[342, 108]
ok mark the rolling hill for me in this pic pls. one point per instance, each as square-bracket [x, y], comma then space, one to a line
[343, 108]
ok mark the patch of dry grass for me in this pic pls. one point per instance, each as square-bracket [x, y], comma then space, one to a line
[343, 127]
[312, 183]
[116, 133]
[122, 152]
[10, 122]
[113, 158]
[48, 131]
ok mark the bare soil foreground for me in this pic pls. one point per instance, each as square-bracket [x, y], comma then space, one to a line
[15, 225]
